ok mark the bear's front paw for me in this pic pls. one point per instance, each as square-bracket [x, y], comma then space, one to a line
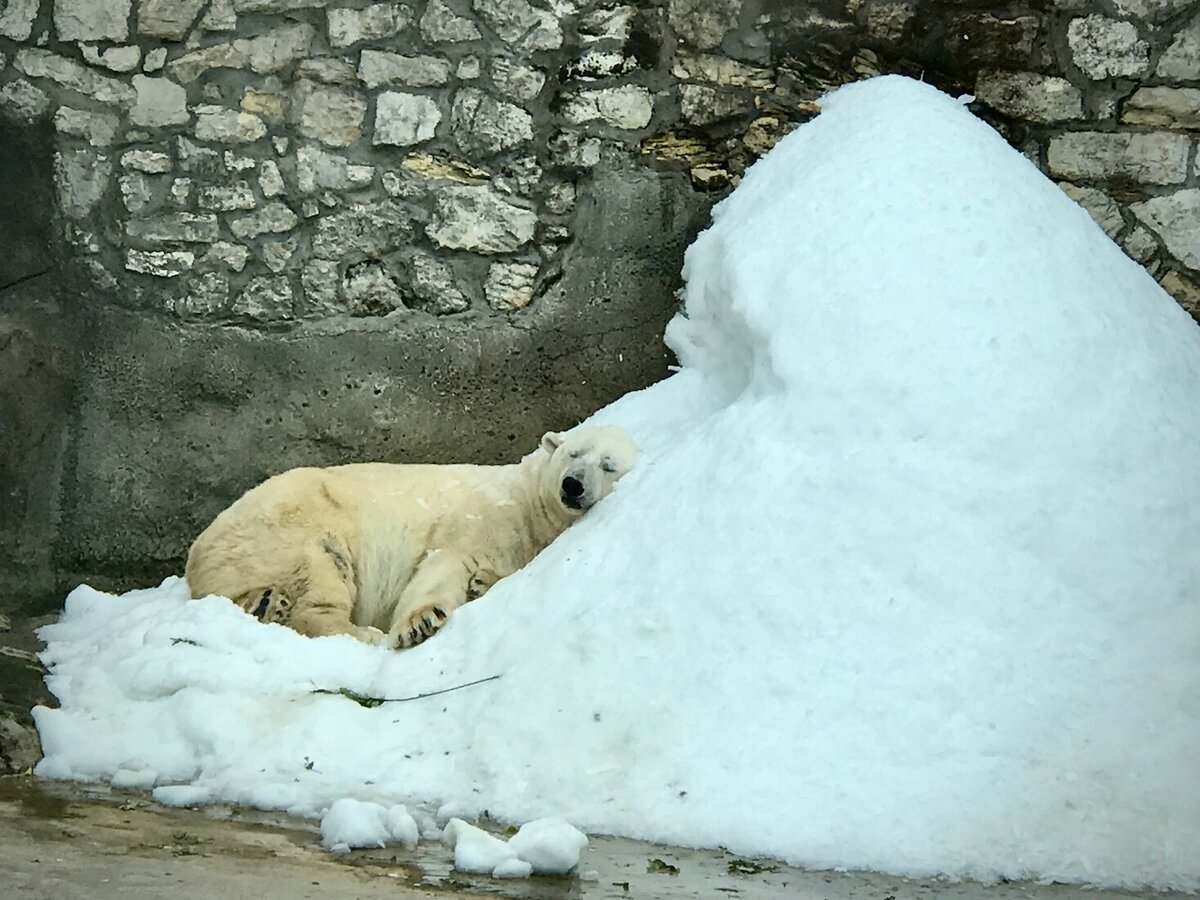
[419, 625]
[372, 635]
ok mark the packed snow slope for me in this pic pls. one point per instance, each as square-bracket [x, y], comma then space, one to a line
[905, 580]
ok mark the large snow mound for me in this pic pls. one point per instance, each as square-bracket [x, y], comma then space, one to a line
[905, 580]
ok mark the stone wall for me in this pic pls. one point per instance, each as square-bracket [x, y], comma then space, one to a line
[267, 161]
[245, 234]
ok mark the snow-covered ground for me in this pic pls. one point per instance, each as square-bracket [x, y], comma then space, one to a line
[905, 580]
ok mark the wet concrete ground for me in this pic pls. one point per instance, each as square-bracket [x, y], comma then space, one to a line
[68, 842]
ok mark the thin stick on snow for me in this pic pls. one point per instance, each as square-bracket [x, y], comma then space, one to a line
[370, 702]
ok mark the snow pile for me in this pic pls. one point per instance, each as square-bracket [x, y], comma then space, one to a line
[356, 823]
[542, 847]
[905, 579]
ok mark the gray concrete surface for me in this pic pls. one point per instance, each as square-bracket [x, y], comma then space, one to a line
[63, 842]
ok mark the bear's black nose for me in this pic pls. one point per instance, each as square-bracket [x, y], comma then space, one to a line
[572, 487]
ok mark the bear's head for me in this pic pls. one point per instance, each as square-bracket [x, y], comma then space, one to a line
[585, 464]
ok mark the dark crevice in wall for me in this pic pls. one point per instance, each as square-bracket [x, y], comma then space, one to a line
[24, 278]
[27, 200]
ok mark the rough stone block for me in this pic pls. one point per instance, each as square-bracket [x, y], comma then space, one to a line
[227, 197]
[404, 119]
[702, 104]
[516, 80]
[116, 59]
[1027, 95]
[167, 19]
[326, 70]
[1174, 218]
[1141, 244]
[269, 52]
[703, 23]
[1099, 205]
[521, 25]
[1152, 10]
[24, 101]
[317, 170]
[1163, 107]
[477, 218]
[92, 20]
[162, 263]
[714, 69]
[362, 230]
[98, 128]
[267, 298]
[82, 178]
[509, 286]
[228, 126]
[331, 115]
[370, 290]
[886, 20]
[1153, 158]
[207, 297]
[180, 191]
[270, 179]
[1107, 48]
[482, 124]
[160, 102]
[613, 23]
[274, 218]
[377, 67]
[268, 105]
[1181, 59]
[16, 19]
[136, 191]
[197, 160]
[179, 227]
[348, 27]
[152, 162]
[1185, 291]
[435, 286]
[441, 25]
[73, 76]
[277, 254]
[225, 256]
[627, 106]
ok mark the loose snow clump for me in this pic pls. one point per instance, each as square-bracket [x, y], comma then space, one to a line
[353, 823]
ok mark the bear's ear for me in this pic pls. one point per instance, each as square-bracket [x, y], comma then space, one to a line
[551, 441]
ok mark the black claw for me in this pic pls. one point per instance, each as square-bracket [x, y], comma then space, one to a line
[439, 613]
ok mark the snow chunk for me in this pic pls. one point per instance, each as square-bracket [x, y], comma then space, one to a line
[477, 851]
[353, 823]
[551, 846]
[544, 847]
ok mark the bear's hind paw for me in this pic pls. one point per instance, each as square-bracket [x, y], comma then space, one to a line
[419, 626]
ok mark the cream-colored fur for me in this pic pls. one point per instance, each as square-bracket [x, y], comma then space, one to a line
[386, 552]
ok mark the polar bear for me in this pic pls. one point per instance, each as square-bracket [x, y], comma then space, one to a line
[386, 552]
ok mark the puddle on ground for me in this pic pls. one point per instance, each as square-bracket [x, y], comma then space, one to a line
[129, 823]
